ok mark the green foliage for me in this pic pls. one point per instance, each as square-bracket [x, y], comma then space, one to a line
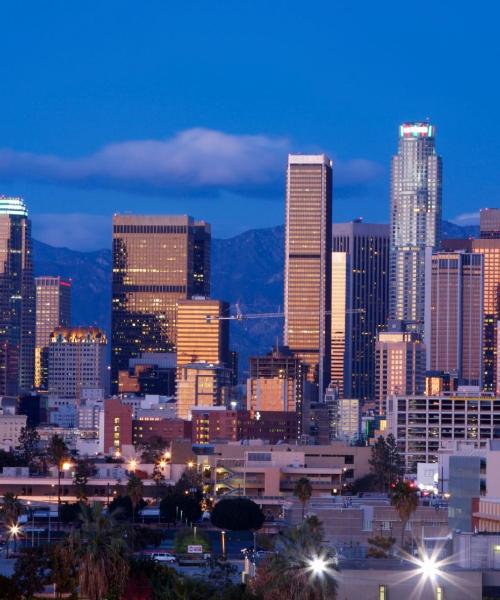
[380, 546]
[64, 567]
[57, 450]
[146, 536]
[84, 470]
[30, 571]
[11, 508]
[9, 459]
[185, 495]
[303, 491]
[186, 537]
[405, 500]
[367, 483]
[69, 512]
[153, 449]
[386, 464]
[122, 508]
[9, 590]
[135, 491]
[29, 441]
[288, 573]
[237, 514]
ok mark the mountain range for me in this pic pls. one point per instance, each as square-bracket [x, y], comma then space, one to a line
[246, 269]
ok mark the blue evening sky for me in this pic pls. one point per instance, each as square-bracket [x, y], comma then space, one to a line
[191, 107]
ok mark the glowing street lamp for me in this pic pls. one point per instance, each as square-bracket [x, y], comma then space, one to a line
[190, 464]
[428, 567]
[14, 531]
[318, 565]
[132, 464]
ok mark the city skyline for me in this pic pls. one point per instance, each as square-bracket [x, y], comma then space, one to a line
[121, 99]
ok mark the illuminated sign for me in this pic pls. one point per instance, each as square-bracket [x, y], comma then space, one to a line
[415, 130]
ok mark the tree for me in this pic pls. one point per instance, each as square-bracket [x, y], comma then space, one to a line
[84, 469]
[102, 552]
[57, 451]
[290, 572]
[10, 589]
[11, 509]
[395, 465]
[29, 572]
[367, 483]
[380, 546]
[186, 537]
[153, 449]
[135, 491]
[404, 498]
[303, 491]
[29, 441]
[64, 568]
[9, 459]
[378, 463]
[237, 514]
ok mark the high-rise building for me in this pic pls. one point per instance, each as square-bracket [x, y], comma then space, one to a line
[308, 243]
[202, 384]
[489, 223]
[360, 304]
[277, 382]
[17, 299]
[151, 373]
[202, 332]
[157, 261]
[490, 249]
[415, 220]
[454, 316]
[77, 361]
[115, 426]
[344, 417]
[400, 363]
[53, 309]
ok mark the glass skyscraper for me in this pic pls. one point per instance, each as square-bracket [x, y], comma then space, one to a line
[308, 244]
[17, 299]
[415, 220]
[157, 261]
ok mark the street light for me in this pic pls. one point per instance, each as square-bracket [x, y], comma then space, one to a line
[223, 543]
[132, 464]
[428, 567]
[318, 565]
[14, 531]
[64, 466]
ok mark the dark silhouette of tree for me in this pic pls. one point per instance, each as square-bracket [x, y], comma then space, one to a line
[303, 491]
[404, 498]
[237, 514]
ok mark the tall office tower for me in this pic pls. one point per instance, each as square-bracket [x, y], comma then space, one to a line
[360, 304]
[277, 382]
[454, 316]
[202, 332]
[201, 258]
[77, 361]
[53, 309]
[400, 363]
[17, 299]
[490, 249]
[308, 243]
[157, 261]
[415, 220]
[489, 223]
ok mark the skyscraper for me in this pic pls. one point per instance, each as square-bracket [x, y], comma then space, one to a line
[489, 247]
[53, 309]
[454, 316]
[17, 298]
[202, 336]
[360, 304]
[400, 363]
[308, 243]
[489, 223]
[415, 219]
[157, 261]
[77, 360]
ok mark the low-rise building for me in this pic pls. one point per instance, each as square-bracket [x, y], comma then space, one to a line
[10, 430]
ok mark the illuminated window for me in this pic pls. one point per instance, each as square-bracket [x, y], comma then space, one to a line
[382, 592]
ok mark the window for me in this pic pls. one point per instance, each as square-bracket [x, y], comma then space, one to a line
[382, 592]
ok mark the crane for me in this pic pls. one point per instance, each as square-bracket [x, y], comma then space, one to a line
[239, 316]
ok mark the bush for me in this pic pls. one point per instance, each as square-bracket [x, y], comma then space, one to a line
[237, 514]
[186, 537]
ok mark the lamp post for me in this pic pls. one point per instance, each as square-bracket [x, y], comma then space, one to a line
[223, 544]
[65, 466]
[13, 533]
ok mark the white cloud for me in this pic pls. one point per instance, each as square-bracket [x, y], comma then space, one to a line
[77, 231]
[471, 218]
[192, 159]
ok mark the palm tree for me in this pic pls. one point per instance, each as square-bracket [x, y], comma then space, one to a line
[302, 568]
[11, 509]
[102, 551]
[405, 500]
[135, 491]
[58, 452]
[303, 491]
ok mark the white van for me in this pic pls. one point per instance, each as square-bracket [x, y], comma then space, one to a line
[163, 557]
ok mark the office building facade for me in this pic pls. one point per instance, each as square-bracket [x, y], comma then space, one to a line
[202, 332]
[202, 384]
[490, 249]
[53, 309]
[308, 239]
[415, 220]
[77, 362]
[454, 316]
[400, 363]
[489, 223]
[360, 304]
[157, 261]
[17, 299]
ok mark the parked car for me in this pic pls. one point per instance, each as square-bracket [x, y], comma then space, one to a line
[163, 557]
